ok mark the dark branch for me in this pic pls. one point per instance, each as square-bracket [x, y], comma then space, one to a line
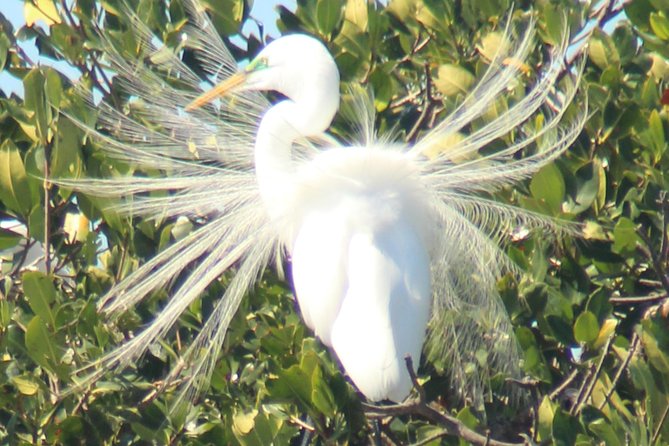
[433, 413]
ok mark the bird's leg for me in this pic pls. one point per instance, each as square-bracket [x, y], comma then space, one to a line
[306, 436]
[377, 432]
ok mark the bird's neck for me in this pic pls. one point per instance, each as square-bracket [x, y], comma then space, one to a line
[280, 127]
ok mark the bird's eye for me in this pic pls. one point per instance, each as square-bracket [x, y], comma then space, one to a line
[258, 64]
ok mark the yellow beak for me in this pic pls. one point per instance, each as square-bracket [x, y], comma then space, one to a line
[225, 87]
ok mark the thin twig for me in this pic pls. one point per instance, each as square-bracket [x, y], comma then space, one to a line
[418, 45]
[68, 14]
[431, 438]
[558, 390]
[586, 391]
[656, 434]
[81, 401]
[414, 379]
[637, 299]
[401, 102]
[47, 210]
[650, 282]
[655, 260]
[121, 264]
[527, 383]
[598, 18]
[581, 389]
[411, 136]
[621, 369]
[302, 424]
[24, 255]
[105, 78]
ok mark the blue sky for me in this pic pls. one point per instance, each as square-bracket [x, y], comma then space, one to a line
[264, 11]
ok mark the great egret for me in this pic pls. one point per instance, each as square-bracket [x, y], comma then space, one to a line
[387, 244]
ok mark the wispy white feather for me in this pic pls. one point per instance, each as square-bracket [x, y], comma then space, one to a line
[207, 156]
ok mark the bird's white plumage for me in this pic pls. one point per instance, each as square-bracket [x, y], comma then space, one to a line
[384, 240]
[320, 286]
[385, 309]
[361, 266]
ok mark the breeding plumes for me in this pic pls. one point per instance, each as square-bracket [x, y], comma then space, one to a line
[389, 242]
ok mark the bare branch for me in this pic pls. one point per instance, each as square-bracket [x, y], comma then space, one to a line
[656, 434]
[621, 369]
[433, 413]
[558, 390]
[637, 299]
[586, 389]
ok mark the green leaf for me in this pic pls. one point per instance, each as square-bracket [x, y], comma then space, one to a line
[53, 86]
[328, 16]
[5, 44]
[357, 14]
[39, 342]
[548, 187]
[546, 414]
[383, 89]
[533, 360]
[40, 293]
[452, 80]
[66, 39]
[6, 310]
[656, 133]
[292, 383]
[605, 431]
[227, 15]
[36, 102]
[8, 239]
[660, 25]
[603, 51]
[638, 13]
[45, 10]
[467, 418]
[321, 395]
[243, 422]
[26, 384]
[553, 20]
[590, 185]
[150, 433]
[565, 428]
[66, 159]
[656, 344]
[73, 429]
[586, 327]
[493, 44]
[14, 189]
[625, 237]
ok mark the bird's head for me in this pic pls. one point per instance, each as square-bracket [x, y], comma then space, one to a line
[297, 66]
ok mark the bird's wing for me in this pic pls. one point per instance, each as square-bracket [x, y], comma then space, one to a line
[319, 257]
[385, 309]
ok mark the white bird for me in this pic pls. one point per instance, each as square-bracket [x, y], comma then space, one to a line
[388, 245]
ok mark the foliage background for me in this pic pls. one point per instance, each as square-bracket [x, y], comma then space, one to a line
[590, 312]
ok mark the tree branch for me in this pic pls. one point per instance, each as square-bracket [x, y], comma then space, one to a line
[589, 382]
[46, 185]
[656, 434]
[621, 369]
[637, 299]
[427, 106]
[658, 267]
[433, 413]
